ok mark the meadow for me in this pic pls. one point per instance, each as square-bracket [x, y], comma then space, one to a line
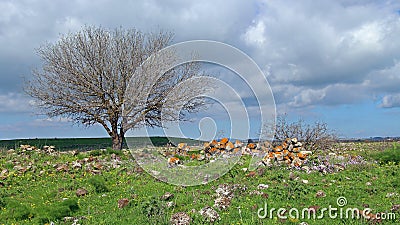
[108, 187]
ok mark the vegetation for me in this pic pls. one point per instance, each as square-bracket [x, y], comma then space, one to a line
[37, 189]
[316, 136]
[119, 79]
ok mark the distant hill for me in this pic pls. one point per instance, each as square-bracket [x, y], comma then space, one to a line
[65, 144]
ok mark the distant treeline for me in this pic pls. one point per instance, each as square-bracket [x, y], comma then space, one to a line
[84, 144]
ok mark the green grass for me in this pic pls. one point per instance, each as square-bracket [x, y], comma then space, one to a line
[390, 155]
[42, 194]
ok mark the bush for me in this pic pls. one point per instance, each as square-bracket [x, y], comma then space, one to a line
[18, 211]
[99, 184]
[313, 136]
[58, 210]
[152, 207]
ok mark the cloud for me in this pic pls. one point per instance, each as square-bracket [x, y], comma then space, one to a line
[390, 101]
[15, 103]
[310, 50]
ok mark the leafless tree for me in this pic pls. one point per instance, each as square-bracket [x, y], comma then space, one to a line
[314, 136]
[96, 76]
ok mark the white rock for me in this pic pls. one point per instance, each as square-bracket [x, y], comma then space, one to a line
[305, 181]
[262, 186]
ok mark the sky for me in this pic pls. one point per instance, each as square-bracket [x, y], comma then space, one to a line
[332, 61]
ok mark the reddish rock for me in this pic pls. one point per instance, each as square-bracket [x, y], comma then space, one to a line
[123, 203]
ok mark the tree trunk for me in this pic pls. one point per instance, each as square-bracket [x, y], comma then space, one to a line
[118, 141]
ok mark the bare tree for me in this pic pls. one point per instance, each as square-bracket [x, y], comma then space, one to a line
[314, 136]
[95, 76]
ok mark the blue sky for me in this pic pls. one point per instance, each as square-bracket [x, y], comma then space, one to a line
[335, 61]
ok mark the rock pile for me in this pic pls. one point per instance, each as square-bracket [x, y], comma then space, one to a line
[290, 151]
[46, 149]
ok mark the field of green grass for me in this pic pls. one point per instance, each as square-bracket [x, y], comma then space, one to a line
[40, 188]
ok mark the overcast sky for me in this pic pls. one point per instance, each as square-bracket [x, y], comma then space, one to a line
[336, 61]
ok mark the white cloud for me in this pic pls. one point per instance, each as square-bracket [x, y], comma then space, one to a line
[255, 34]
[390, 101]
[15, 102]
[327, 53]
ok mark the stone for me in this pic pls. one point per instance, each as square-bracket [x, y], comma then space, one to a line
[222, 203]
[76, 165]
[81, 192]
[262, 186]
[122, 203]
[170, 204]
[4, 172]
[62, 168]
[395, 208]
[167, 196]
[209, 214]
[320, 194]
[304, 181]
[292, 176]
[180, 218]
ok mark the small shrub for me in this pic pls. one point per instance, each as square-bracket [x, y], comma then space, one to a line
[99, 184]
[18, 211]
[58, 210]
[152, 207]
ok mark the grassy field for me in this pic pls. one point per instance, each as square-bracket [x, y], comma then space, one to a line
[40, 188]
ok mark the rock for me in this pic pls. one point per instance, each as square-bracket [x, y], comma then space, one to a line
[4, 172]
[224, 190]
[81, 192]
[256, 192]
[260, 171]
[304, 181]
[292, 176]
[76, 165]
[170, 204]
[392, 194]
[180, 218]
[62, 168]
[320, 194]
[123, 203]
[155, 172]
[368, 183]
[209, 214]
[262, 186]
[222, 203]
[251, 174]
[395, 208]
[167, 196]
[306, 168]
